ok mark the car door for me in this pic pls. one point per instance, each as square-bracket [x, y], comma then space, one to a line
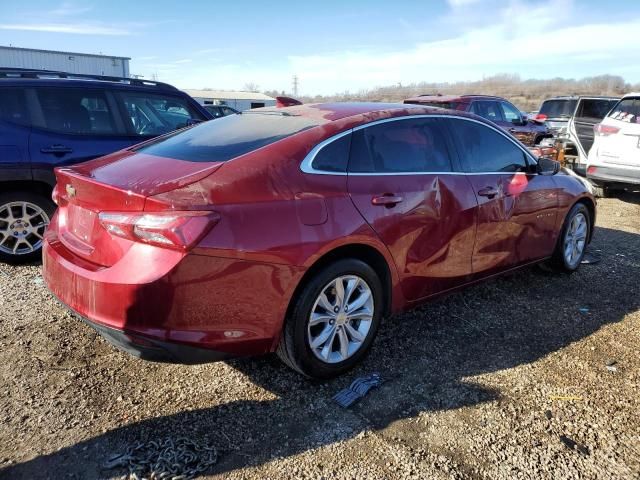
[14, 135]
[517, 209]
[514, 124]
[619, 138]
[72, 125]
[401, 179]
[589, 112]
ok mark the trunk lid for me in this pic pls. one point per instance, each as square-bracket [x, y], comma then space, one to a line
[119, 182]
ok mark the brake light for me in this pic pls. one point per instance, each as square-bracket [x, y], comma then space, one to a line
[541, 117]
[55, 195]
[604, 130]
[176, 230]
[591, 170]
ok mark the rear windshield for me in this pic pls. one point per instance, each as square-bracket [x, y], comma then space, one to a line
[228, 137]
[558, 108]
[627, 110]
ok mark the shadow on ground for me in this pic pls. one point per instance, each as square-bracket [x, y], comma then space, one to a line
[425, 356]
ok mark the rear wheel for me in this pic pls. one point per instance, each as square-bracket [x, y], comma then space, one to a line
[333, 321]
[24, 217]
[572, 243]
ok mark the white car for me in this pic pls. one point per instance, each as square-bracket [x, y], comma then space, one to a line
[614, 158]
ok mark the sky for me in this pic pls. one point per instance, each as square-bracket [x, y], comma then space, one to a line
[337, 46]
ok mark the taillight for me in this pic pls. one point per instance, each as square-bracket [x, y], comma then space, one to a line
[55, 195]
[177, 230]
[541, 117]
[591, 170]
[604, 130]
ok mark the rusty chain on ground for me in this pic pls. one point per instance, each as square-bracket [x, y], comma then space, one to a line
[168, 459]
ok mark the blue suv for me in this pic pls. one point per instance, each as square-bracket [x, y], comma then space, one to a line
[53, 119]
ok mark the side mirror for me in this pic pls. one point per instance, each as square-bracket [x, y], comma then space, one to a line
[546, 166]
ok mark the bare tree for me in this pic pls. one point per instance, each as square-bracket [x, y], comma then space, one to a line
[251, 87]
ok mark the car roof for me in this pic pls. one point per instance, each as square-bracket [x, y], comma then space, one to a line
[631, 94]
[450, 98]
[578, 97]
[359, 112]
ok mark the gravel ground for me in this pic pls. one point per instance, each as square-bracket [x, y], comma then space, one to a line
[534, 375]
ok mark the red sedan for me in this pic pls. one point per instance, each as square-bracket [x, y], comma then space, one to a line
[298, 229]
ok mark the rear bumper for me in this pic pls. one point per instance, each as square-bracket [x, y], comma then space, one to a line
[599, 174]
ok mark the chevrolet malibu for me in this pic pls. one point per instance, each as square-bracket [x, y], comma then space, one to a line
[297, 229]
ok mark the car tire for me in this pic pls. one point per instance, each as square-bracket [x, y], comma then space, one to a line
[24, 217]
[573, 240]
[349, 333]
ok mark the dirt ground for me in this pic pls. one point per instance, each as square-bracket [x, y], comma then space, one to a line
[534, 375]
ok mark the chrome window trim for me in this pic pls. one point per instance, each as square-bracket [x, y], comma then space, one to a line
[306, 165]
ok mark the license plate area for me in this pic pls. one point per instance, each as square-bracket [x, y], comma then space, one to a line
[81, 223]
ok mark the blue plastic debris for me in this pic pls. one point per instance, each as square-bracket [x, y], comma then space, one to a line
[358, 389]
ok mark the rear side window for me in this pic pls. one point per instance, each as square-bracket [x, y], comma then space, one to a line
[558, 108]
[594, 108]
[627, 110]
[489, 110]
[482, 149]
[228, 137]
[412, 145]
[76, 111]
[13, 106]
[334, 156]
[150, 114]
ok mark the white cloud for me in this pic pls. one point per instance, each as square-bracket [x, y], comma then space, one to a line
[73, 28]
[461, 3]
[70, 9]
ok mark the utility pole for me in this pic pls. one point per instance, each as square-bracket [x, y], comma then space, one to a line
[295, 85]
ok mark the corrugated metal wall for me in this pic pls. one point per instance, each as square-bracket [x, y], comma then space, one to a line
[65, 62]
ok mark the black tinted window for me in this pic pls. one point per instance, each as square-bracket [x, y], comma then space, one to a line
[489, 110]
[228, 137]
[334, 156]
[594, 108]
[412, 145]
[558, 108]
[627, 110]
[482, 149]
[13, 106]
[155, 114]
[76, 111]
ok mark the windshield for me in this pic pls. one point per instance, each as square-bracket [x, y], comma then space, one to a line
[228, 137]
[558, 108]
[627, 110]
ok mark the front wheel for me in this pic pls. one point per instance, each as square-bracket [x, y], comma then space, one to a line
[333, 321]
[24, 216]
[574, 236]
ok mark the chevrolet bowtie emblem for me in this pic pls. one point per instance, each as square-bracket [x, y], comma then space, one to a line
[71, 192]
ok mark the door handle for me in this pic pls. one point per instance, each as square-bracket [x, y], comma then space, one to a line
[513, 130]
[488, 192]
[57, 149]
[388, 200]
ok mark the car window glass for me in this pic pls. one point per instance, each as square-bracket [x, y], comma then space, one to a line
[76, 111]
[558, 108]
[594, 108]
[334, 156]
[483, 149]
[412, 145]
[489, 110]
[155, 114]
[13, 106]
[510, 113]
[216, 112]
[627, 110]
[228, 111]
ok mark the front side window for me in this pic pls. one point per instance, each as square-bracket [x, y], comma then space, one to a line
[489, 110]
[13, 106]
[484, 150]
[150, 114]
[411, 145]
[510, 113]
[76, 111]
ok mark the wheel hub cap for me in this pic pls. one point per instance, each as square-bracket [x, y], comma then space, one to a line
[340, 319]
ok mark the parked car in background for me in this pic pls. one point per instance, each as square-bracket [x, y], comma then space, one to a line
[297, 229]
[52, 119]
[571, 120]
[614, 159]
[498, 110]
[218, 111]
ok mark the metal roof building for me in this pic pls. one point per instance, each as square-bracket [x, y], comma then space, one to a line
[71, 62]
[238, 100]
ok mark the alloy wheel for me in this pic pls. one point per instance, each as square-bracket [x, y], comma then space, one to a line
[22, 226]
[340, 319]
[575, 239]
